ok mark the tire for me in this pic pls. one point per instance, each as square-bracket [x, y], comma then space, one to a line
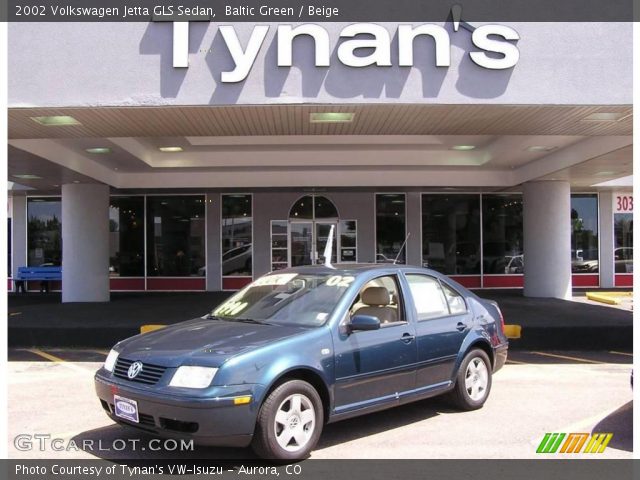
[470, 394]
[285, 430]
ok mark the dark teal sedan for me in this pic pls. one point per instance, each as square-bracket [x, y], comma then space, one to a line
[303, 347]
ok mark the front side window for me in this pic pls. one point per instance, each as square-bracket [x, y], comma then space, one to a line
[44, 232]
[380, 298]
[175, 236]
[286, 299]
[428, 297]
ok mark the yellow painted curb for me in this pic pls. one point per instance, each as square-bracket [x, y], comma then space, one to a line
[512, 331]
[611, 298]
[150, 328]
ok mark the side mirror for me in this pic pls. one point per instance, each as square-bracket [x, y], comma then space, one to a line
[363, 322]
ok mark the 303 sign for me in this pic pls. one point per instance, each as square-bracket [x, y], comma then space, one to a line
[623, 203]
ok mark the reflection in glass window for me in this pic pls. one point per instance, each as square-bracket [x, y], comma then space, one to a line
[502, 234]
[451, 233]
[390, 227]
[623, 253]
[279, 244]
[313, 207]
[176, 236]
[44, 231]
[584, 233]
[126, 236]
[428, 297]
[237, 225]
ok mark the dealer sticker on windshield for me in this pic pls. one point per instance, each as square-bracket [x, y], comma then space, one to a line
[126, 408]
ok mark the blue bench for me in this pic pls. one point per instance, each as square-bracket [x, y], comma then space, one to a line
[44, 274]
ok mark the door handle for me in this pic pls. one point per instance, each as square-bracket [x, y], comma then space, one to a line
[407, 338]
[461, 326]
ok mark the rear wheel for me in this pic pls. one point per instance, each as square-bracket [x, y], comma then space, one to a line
[473, 382]
[289, 423]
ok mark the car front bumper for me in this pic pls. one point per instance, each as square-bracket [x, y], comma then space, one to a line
[214, 421]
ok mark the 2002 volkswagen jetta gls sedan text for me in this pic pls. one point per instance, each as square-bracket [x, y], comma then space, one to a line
[302, 347]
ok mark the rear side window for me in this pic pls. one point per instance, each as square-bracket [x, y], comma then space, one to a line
[457, 304]
[428, 297]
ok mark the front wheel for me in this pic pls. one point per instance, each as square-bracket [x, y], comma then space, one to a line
[289, 422]
[473, 382]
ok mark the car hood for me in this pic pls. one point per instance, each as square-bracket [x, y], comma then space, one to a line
[202, 342]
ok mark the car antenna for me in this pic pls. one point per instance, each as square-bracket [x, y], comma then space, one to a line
[328, 249]
[395, 260]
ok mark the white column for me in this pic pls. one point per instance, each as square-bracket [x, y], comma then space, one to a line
[547, 239]
[607, 242]
[85, 243]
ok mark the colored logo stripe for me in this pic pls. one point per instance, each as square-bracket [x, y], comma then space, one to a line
[574, 442]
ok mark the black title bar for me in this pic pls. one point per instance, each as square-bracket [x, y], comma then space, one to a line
[416, 11]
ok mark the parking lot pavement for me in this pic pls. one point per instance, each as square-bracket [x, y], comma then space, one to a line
[51, 393]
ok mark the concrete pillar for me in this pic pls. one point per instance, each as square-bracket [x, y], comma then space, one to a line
[85, 243]
[214, 269]
[18, 234]
[414, 243]
[607, 240]
[547, 239]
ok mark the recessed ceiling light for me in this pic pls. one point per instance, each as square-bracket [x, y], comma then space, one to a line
[606, 172]
[26, 176]
[55, 185]
[540, 148]
[170, 149]
[56, 120]
[463, 148]
[331, 117]
[76, 181]
[605, 117]
[98, 150]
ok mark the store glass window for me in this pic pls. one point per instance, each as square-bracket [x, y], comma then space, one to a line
[623, 253]
[502, 234]
[44, 231]
[451, 233]
[279, 244]
[237, 224]
[584, 233]
[126, 236]
[176, 236]
[390, 227]
[348, 233]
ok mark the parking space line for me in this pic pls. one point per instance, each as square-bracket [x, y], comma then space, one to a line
[58, 360]
[567, 357]
[516, 362]
[622, 353]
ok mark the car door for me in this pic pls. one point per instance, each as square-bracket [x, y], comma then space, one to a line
[375, 367]
[442, 322]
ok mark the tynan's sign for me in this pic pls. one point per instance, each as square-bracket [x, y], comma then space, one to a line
[495, 43]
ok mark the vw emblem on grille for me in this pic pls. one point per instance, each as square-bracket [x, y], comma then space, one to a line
[134, 369]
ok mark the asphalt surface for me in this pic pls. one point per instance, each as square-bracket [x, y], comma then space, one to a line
[51, 393]
[42, 320]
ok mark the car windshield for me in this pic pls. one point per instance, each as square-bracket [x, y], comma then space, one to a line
[286, 299]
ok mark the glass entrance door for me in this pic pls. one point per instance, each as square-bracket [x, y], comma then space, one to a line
[308, 241]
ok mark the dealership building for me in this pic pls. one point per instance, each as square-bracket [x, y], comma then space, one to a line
[198, 156]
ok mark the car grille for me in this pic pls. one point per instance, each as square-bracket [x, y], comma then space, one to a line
[149, 375]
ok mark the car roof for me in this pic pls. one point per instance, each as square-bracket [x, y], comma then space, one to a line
[353, 268]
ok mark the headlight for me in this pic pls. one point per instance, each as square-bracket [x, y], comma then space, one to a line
[110, 362]
[193, 377]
